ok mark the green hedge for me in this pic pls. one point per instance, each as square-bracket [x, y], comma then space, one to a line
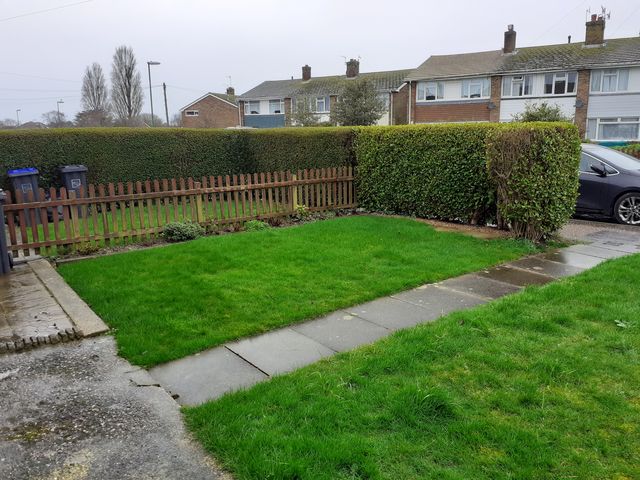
[526, 174]
[632, 149]
[435, 171]
[123, 154]
[534, 168]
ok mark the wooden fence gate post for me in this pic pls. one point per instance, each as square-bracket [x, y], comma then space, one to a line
[199, 210]
[294, 192]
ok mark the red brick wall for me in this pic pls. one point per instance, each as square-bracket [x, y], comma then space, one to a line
[584, 80]
[213, 113]
[400, 114]
[496, 95]
[451, 112]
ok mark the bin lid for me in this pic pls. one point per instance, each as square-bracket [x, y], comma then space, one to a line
[21, 172]
[73, 168]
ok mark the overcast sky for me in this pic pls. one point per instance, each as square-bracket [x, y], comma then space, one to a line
[200, 43]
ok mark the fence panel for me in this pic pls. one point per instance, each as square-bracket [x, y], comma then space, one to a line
[43, 222]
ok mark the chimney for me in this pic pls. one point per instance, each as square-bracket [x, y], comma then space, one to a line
[595, 31]
[306, 73]
[353, 68]
[569, 39]
[509, 40]
[231, 91]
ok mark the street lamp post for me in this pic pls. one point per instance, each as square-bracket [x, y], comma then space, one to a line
[58, 103]
[149, 63]
[18, 116]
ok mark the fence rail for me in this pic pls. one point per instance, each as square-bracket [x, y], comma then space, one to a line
[42, 221]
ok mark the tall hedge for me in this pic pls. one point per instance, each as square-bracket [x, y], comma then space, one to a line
[534, 168]
[434, 171]
[523, 174]
[123, 154]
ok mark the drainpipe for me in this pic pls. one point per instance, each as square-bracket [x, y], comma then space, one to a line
[5, 261]
[410, 101]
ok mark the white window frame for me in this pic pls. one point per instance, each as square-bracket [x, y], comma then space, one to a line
[324, 105]
[438, 87]
[191, 113]
[247, 107]
[280, 106]
[613, 121]
[469, 83]
[600, 75]
[525, 80]
[559, 76]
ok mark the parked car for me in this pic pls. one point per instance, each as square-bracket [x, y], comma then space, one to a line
[609, 184]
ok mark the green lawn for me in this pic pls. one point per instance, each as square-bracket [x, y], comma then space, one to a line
[544, 384]
[166, 303]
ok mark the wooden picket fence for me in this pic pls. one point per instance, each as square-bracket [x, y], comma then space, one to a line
[42, 222]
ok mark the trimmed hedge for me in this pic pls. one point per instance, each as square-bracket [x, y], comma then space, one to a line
[433, 171]
[534, 168]
[524, 174]
[130, 154]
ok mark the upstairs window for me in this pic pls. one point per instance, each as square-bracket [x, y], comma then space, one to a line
[560, 83]
[428, 91]
[517, 86]
[476, 88]
[276, 107]
[192, 113]
[252, 108]
[610, 80]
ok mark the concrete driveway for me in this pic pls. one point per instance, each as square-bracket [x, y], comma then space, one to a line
[78, 411]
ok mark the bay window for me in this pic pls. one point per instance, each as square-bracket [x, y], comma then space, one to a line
[276, 106]
[560, 83]
[252, 108]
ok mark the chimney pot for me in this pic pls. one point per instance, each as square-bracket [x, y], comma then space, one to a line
[595, 31]
[509, 40]
[231, 91]
[306, 73]
[353, 68]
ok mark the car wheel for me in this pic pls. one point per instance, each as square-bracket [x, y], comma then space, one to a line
[627, 209]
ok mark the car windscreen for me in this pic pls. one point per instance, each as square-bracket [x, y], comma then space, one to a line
[617, 159]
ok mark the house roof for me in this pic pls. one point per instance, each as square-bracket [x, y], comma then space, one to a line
[566, 56]
[384, 82]
[231, 99]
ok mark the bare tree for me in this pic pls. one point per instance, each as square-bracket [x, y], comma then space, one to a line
[176, 120]
[8, 123]
[126, 85]
[95, 96]
[55, 119]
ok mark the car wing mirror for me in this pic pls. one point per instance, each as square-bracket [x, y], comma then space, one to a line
[599, 169]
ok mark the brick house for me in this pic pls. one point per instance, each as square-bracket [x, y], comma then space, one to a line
[212, 110]
[270, 103]
[595, 82]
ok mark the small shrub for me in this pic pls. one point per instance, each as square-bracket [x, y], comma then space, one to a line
[301, 212]
[87, 249]
[182, 231]
[256, 226]
[275, 221]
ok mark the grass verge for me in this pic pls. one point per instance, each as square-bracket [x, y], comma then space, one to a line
[542, 384]
[166, 303]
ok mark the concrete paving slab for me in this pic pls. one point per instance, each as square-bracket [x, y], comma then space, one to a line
[485, 287]
[547, 267]
[572, 258]
[341, 331]
[280, 351]
[205, 376]
[441, 300]
[393, 314]
[81, 315]
[515, 276]
[595, 251]
[619, 246]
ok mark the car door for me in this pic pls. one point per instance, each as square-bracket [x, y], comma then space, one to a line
[592, 190]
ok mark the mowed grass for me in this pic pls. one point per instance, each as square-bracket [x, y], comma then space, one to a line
[166, 303]
[544, 384]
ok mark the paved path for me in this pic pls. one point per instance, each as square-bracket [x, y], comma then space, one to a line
[211, 374]
[78, 411]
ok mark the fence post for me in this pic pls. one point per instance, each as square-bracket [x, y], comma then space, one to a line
[294, 192]
[5, 260]
[199, 209]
